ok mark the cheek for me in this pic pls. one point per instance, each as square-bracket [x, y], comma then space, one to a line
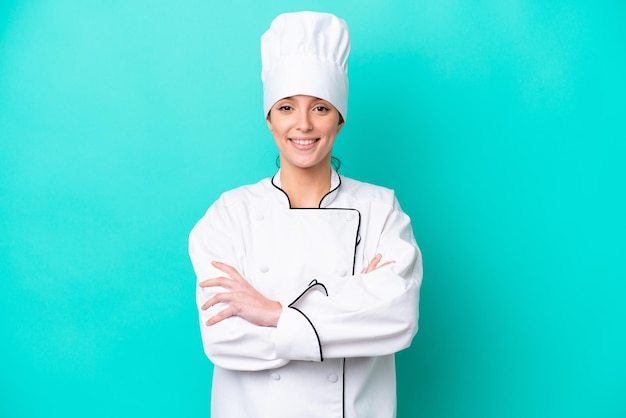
[333, 129]
[277, 127]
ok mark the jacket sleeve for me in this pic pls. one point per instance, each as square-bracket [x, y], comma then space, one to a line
[233, 343]
[364, 315]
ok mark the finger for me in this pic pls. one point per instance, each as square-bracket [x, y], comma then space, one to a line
[386, 264]
[224, 297]
[218, 281]
[230, 270]
[372, 265]
[222, 315]
[374, 262]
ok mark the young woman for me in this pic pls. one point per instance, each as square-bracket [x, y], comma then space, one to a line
[308, 282]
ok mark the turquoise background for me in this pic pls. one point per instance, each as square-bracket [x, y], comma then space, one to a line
[499, 123]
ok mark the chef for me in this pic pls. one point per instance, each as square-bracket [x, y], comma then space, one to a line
[308, 281]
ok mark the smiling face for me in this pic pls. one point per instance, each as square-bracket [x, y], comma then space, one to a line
[304, 129]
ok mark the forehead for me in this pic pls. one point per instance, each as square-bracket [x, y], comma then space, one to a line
[303, 98]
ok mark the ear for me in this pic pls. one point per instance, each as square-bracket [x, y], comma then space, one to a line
[268, 120]
[340, 124]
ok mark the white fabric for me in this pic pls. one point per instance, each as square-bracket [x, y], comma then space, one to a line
[331, 354]
[306, 53]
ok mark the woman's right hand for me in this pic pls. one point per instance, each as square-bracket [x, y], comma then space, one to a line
[243, 300]
[373, 265]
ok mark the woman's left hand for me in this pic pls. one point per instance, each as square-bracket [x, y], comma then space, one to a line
[243, 300]
[373, 265]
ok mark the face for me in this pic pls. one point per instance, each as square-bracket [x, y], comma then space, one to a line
[304, 129]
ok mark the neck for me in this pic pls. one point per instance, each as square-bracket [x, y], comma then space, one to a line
[305, 187]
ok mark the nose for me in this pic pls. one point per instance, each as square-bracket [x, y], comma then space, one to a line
[304, 121]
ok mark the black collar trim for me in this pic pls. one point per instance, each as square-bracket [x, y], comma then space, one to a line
[323, 197]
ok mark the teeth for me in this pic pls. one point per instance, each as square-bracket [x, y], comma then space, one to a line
[303, 141]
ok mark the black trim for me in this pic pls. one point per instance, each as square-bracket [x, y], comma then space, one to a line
[284, 192]
[319, 343]
[311, 286]
[343, 394]
[323, 197]
[357, 241]
[314, 283]
[321, 200]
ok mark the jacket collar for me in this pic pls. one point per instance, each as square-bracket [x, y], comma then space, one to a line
[335, 182]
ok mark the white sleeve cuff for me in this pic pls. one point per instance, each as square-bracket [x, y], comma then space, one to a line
[296, 337]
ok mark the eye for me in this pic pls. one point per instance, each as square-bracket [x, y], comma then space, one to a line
[285, 108]
[322, 109]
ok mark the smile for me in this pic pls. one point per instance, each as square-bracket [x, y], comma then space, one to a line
[304, 142]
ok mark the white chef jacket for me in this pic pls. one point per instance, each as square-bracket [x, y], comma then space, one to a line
[332, 352]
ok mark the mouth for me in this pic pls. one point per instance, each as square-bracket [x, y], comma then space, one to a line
[304, 141]
[304, 144]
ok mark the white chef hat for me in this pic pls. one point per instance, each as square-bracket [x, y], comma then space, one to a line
[306, 53]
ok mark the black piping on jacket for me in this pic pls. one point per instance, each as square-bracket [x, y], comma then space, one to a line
[321, 200]
[315, 283]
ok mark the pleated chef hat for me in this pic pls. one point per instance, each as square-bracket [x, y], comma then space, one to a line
[306, 53]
